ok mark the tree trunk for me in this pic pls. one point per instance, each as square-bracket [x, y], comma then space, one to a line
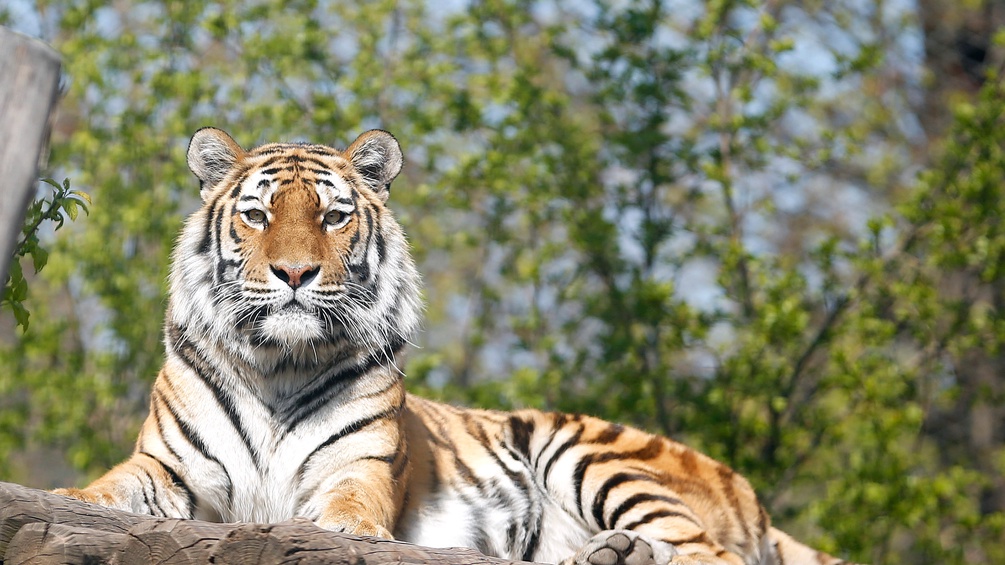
[28, 87]
[38, 527]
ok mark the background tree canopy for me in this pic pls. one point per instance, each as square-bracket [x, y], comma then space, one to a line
[771, 229]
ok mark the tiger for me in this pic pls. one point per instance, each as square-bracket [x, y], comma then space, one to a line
[292, 298]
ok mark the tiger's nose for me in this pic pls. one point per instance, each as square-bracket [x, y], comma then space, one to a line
[295, 275]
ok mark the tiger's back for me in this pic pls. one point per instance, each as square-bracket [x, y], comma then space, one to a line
[538, 485]
[292, 297]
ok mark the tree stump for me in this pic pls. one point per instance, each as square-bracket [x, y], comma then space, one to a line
[38, 527]
[28, 88]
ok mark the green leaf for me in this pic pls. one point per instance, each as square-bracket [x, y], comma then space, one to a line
[70, 206]
[39, 258]
[19, 290]
[21, 315]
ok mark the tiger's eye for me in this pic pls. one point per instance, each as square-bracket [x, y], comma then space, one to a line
[255, 216]
[333, 217]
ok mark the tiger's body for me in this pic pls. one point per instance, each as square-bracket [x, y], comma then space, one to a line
[292, 294]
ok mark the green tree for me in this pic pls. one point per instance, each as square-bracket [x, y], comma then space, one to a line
[706, 220]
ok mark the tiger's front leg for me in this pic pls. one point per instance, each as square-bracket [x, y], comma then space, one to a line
[360, 507]
[141, 484]
[364, 494]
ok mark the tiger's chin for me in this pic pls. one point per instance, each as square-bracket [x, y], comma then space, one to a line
[291, 327]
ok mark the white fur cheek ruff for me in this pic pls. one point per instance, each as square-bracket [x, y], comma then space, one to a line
[190, 280]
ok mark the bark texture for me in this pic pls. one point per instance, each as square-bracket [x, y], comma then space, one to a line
[38, 527]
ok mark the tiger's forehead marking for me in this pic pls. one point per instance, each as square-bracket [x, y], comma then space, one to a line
[289, 166]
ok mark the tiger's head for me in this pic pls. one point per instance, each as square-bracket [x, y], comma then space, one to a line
[293, 252]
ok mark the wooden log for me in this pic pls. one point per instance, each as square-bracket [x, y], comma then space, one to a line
[40, 528]
[29, 81]
[55, 543]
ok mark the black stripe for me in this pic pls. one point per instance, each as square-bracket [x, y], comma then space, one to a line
[196, 441]
[600, 499]
[389, 459]
[361, 270]
[482, 437]
[397, 461]
[221, 272]
[313, 161]
[380, 245]
[307, 402]
[207, 230]
[270, 150]
[238, 183]
[532, 543]
[577, 482]
[652, 448]
[701, 537]
[146, 498]
[561, 450]
[441, 441]
[215, 232]
[187, 430]
[177, 482]
[636, 499]
[233, 233]
[189, 354]
[551, 438]
[355, 236]
[347, 430]
[610, 435]
[656, 515]
[323, 150]
[401, 460]
[160, 430]
[518, 481]
[190, 496]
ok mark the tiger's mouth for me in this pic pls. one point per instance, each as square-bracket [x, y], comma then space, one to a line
[291, 324]
[293, 305]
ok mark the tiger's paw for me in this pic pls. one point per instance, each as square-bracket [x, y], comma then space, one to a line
[622, 547]
[355, 526]
[87, 496]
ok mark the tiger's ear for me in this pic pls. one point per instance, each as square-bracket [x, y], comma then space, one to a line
[211, 153]
[377, 156]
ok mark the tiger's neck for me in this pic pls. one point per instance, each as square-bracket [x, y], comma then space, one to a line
[285, 380]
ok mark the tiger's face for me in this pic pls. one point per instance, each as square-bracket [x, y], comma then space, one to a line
[293, 248]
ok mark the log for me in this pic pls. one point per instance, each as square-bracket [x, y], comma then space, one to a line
[29, 81]
[41, 528]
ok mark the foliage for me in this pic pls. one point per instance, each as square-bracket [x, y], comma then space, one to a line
[715, 220]
[64, 202]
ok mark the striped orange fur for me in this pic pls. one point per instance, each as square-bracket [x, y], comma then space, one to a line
[292, 297]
